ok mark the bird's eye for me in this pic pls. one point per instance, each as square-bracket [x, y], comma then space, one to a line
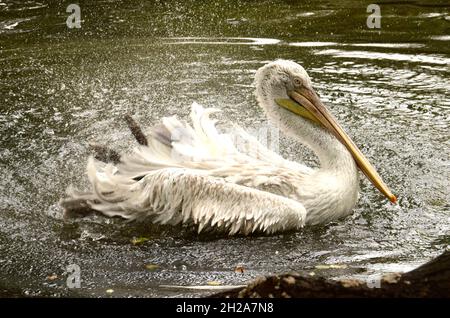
[297, 81]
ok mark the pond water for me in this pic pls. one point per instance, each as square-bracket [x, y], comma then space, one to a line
[61, 88]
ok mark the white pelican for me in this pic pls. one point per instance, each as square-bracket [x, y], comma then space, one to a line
[195, 175]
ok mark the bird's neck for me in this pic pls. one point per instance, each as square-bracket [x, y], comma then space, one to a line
[331, 191]
[338, 179]
[332, 154]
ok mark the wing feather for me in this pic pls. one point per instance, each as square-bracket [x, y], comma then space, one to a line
[178, 195]
[176, 144]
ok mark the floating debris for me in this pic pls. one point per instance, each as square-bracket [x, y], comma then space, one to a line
[110, 291]
[152, 267]
[239, 269]
[52, 277]
[213, 283]
[139, 240]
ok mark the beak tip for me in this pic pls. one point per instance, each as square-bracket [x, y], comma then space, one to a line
[393, 199]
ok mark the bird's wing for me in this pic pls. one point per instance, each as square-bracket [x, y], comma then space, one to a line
[180, 195]
[176, 144]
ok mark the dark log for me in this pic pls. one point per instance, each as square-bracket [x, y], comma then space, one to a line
[75, 208]
[104, 153]
[427, 281]
[136, 130]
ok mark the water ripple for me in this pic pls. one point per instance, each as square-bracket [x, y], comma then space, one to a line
[415, 58]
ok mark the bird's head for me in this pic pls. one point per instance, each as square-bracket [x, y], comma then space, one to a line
[285, 85]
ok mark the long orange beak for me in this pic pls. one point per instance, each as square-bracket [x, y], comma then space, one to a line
[310, 106]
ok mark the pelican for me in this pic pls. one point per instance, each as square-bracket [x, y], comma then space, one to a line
[195, 175]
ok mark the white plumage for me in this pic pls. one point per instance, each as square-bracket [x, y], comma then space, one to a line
[196, 175]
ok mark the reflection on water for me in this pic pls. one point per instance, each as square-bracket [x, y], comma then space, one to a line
[61, 88]
[431, 59]
[245, 41]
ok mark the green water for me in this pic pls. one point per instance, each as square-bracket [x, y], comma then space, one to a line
[61, 87]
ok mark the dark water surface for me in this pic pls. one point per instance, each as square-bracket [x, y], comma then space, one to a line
[60, 88]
